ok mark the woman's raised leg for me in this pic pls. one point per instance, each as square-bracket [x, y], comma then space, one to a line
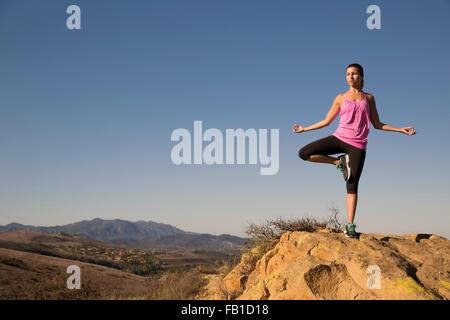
[319, 151]
[323, 159]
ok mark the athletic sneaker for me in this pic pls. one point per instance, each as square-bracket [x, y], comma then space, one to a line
[343, 166]
[350, 230]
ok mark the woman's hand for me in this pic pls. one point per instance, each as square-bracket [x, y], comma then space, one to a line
[408, 130]
[298, 129]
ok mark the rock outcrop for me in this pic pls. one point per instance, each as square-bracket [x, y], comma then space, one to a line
[326, 265]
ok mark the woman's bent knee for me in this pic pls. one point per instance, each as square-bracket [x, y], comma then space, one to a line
[352, 188]
[303, 154]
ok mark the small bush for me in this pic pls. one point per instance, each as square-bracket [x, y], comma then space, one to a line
[273, 229]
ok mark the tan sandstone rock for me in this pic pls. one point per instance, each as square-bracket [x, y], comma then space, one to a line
[326, 265]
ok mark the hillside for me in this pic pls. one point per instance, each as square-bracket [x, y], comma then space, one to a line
[26, 275]
[33, 266]
[326, 265]
[139, 234]
[134, 260]
[137, 261]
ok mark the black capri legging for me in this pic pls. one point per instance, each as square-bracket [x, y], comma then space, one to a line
[332, 145]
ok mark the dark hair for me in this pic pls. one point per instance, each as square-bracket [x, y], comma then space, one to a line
[360, 70]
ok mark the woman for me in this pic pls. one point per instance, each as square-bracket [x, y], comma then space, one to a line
[356, 109]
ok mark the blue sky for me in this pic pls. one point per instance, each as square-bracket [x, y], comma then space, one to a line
[86, 116]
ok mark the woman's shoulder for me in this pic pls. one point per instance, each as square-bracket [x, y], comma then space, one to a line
[369, 96]
[340, 96]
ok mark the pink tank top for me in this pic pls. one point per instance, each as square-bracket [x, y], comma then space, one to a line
[354, 123]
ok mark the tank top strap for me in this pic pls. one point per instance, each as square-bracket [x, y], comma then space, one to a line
[364, 96]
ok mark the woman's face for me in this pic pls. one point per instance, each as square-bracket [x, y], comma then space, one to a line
[353, 77]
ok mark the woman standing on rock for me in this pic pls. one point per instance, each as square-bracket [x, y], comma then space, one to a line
[356, 109]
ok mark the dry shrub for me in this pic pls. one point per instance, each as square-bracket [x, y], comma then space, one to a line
[181, 285]
[273, 229]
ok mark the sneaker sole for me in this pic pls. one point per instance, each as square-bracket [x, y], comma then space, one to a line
[354, 235]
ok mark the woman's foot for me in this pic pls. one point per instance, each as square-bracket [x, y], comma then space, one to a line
[350, 230]
[343, 166]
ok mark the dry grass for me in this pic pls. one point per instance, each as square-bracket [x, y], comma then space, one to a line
[180, 285]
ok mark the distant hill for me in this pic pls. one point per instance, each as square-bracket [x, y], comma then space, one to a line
[139, 234]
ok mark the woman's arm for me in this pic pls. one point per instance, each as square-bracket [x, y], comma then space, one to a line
[377, 124]
[331, 115]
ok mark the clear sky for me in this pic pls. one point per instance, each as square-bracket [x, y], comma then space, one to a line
[86, 115]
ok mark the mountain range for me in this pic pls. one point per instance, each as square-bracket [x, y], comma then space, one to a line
[139, 234]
